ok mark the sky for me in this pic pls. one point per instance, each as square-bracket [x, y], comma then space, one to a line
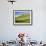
[22, 12]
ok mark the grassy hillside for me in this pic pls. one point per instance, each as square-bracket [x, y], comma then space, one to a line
[24, 18]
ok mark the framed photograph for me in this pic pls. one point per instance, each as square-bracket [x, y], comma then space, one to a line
[22, 17]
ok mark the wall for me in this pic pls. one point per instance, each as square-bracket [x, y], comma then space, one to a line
[38, 29]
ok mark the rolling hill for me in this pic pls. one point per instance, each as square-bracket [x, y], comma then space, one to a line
[24, 18]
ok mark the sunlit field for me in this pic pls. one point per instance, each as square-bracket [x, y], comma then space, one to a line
[24, 18]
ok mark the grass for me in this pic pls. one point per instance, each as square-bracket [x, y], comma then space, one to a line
[24, 18]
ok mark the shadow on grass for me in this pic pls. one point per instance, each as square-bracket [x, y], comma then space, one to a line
[23, 21]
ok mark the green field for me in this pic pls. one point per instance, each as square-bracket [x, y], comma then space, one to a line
[24, 18]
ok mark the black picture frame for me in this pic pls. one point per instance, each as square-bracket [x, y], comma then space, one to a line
[14, 16]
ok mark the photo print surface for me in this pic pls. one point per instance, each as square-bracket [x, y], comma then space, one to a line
[22, 16]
